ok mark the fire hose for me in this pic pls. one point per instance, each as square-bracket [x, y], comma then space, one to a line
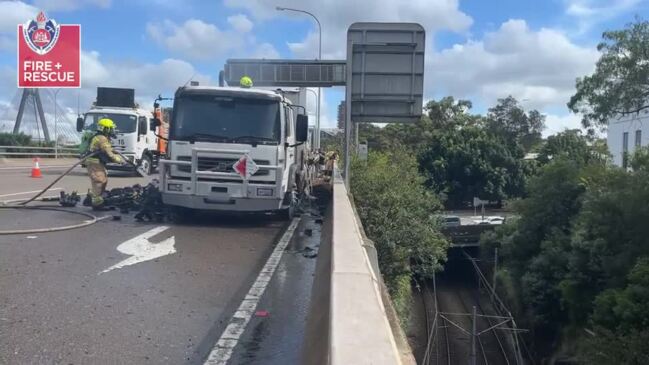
[23, 205]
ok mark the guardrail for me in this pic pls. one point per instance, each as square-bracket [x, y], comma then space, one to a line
[36, 151]
[350, 313]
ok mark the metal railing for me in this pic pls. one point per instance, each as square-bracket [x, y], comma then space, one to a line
[37, 151]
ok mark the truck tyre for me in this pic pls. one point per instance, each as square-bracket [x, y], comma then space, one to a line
[180, 214]
[146, 164]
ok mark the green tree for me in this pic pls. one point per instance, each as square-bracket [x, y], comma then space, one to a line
[449, 113]
[398, 214]
[535, 247]
[470, 162]
[626, 309]
[445, 114]
[620, 83]
[609, 347]
[609, 235]
[509, 120]
[572, 145]
[621, 319]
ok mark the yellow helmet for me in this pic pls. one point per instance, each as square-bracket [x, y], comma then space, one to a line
[105, 124]
[246, 82]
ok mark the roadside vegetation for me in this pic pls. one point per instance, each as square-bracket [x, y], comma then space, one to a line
[399, 215]
[574, 264]
[22, 140]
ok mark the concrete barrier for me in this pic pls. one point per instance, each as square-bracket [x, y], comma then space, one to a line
[348, 316]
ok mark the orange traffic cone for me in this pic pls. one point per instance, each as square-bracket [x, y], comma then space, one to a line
[36, 170]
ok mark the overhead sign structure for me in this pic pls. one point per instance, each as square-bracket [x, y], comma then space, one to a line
[245, 167]
[48, 54]
[283, 72]
[383, 74]
[385, 64]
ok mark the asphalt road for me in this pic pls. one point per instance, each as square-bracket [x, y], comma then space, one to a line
[16, 184]
[166, 303]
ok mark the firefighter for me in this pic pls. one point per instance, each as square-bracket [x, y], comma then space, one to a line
[245, 82]
[97, 164]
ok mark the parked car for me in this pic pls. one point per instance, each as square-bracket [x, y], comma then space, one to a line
[451, 221]
[495, 220]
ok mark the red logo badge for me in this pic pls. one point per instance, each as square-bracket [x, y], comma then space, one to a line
[48, 53]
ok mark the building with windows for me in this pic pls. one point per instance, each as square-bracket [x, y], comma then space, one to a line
[627, 133]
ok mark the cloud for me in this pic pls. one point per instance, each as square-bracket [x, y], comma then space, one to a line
[198, 40]
[338, 15]
[591, 12]
[194, 39]
[148, 79]
[13, 13]
[558, 123]
[265, 50]
[537, 65]
[240, 23]
[69, 5]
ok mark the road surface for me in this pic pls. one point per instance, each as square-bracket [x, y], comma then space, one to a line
[122, 292]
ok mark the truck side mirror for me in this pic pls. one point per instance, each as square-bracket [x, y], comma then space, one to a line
[79, 124]
[155, 123]
[142, 126]
[302, 128]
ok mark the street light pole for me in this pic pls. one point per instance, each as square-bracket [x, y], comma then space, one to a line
[317, 96]
[56, 130]
[316, 140]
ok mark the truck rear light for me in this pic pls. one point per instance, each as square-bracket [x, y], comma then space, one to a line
[264, 192]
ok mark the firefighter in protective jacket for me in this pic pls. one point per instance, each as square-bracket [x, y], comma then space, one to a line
[97, 164]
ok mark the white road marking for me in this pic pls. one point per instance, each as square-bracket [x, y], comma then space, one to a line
[26, 192]
[141, 249]
[222, 351]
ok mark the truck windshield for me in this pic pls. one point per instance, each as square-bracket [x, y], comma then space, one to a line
[124, 123]
[226, 119]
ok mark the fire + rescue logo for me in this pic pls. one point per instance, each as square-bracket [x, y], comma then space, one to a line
[41, 33]
[49, 53]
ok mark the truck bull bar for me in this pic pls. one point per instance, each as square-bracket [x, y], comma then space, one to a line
[164, 165]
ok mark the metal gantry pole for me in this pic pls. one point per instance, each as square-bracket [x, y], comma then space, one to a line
[317, 96]
[348, 112]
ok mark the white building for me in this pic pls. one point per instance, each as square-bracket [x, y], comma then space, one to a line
[626, 134]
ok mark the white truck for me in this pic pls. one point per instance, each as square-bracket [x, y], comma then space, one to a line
[135, 128]
[213, 128]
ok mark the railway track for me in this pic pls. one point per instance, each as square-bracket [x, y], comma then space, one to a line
[449, 303]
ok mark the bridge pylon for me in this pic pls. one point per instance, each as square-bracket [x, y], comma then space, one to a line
[35, 96]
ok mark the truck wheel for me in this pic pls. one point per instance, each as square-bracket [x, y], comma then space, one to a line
[146, 165]
[180, 214]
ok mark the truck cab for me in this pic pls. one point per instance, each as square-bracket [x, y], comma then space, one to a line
[136, 137]
[215, 127]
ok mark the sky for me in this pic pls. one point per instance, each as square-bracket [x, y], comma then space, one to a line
[478, 50]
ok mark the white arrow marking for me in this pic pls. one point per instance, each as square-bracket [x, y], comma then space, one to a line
[141, 249]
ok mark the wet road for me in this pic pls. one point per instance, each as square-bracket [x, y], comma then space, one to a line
[167, 298]
[56, 307]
